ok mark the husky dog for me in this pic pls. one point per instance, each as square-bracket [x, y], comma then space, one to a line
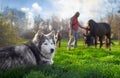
[39, 51]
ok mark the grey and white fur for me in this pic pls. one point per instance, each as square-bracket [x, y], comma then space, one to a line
[39, 51]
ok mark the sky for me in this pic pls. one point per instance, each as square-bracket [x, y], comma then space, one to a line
[89, 9]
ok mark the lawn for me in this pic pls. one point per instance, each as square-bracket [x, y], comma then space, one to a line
[81, 62]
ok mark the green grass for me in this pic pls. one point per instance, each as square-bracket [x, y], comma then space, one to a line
[81, 62]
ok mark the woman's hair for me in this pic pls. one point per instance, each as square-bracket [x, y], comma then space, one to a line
[77, 14]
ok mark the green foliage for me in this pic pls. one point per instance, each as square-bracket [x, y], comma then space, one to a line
[8, 34]
[81, 62]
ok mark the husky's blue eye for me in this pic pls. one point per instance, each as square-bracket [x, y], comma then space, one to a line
[45, 44]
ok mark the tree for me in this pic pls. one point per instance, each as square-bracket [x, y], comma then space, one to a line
[112, 17]
[119, 29]
[55, 22]
[8, 36]
[37, 23]
[16, 18]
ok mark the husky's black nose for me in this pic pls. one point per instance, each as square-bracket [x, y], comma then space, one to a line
[52, 50]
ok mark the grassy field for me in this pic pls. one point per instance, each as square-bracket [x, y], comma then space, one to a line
[81, 62]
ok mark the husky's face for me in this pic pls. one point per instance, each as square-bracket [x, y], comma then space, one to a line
[46, 43]
[48, 46]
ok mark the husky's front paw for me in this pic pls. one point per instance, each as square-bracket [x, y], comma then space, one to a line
[48, 62]
[51, 62]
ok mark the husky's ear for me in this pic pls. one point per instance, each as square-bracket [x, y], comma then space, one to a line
[51, 34]
[37, 36]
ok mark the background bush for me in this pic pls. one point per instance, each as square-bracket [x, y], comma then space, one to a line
[8, 34]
